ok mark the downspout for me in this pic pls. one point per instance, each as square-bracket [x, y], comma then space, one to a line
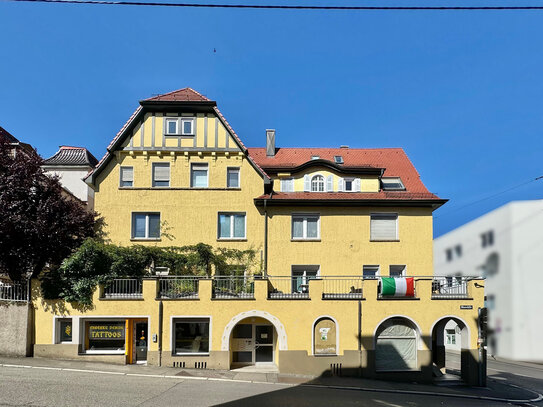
[266, 235]
[160, 315]
[360, 335]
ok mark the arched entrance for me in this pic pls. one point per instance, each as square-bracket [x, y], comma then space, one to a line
[451, 348]
[397, 341]
[254, 338]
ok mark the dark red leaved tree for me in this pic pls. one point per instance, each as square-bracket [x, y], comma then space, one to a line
[38, 225]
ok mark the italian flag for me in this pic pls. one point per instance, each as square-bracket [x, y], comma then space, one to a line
[398, 287]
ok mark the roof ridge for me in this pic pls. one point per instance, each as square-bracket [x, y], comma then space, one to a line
[186, 88]
[334, 148]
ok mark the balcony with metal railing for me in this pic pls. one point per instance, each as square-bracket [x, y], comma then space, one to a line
[123, 288]
[233, 287]
[342, 288]
[178, 287]
[13, 290]
[445, 288]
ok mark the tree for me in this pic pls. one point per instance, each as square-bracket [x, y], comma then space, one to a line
[39, 226]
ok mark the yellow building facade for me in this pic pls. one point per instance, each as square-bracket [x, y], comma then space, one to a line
[345, 283]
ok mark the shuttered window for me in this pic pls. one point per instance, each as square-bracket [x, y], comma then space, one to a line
[161, 174]
[384, 226]
[287, 185]
[232, 177]
[127, 177]
[198, 176]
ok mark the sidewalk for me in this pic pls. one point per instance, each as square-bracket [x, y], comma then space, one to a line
[495, 391]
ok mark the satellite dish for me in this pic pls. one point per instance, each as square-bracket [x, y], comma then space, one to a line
[491, 266]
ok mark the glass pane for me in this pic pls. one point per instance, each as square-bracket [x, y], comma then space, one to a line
[192, 337]
[106, 335]
[139, 225]
[172, 127]
[66, 331]
[154, 225]
[233, 179]
[187, 126]
[224, 226]
[239, 225]
[161, 183]
[297, 228]
[312, 228]
[243, 331]
[199, 178]
[264, 354]
[126, 183]
[348, 185]
[242, 357]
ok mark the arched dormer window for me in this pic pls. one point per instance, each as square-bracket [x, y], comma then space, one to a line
[317, 183]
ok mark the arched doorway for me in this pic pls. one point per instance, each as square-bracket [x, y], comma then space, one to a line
[254, 338]
[397, 341]
[450, 348]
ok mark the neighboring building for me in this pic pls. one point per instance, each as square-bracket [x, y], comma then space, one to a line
[506, 247]
[71, 165]
[332, 225]
[16, 145]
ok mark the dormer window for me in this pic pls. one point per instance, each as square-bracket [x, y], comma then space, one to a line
[315, 157]
[392, 184]
[317, 183]
[338, 159]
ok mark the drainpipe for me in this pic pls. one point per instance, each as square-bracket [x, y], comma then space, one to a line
[265, 239]
[160, 314]
[360, 335]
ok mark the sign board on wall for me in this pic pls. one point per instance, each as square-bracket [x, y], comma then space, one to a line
[106, 330]
[325, 337]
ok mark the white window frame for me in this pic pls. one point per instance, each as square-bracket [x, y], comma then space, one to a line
[397, 237]
[201, 165]
[283, 181]
[182, 318]
[187, 119]
[167, 120]
[133, 231]
[402, 188]
[153, 174]
[304, 216]
[404, 270]
[231, 214]
[323, 182]
[84, 321]
[351, 180]
[121, 176]
[58, 333]
[372, 266]
[238, 170]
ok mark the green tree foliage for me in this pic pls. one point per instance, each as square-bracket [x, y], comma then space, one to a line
[96, 262]
[39, 225]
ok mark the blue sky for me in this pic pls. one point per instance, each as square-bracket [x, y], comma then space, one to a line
[460, 92]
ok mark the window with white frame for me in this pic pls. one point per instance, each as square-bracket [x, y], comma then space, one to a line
[348, 184]
[306, 226]
[64, 330]
[161, 175]
[451, 337]
[383, 226]
[232, 177]
[172, 126]
[317, 183]
[199, 176]
[392, 184]
[126, 177]
[146, 225]
[232, 226]
[287, 185]
[191, 336]
[370, 271]
[397, 271]
[187, 126]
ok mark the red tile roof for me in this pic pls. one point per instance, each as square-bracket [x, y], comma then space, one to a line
[180, 95]
[350, 196]
[393, 160]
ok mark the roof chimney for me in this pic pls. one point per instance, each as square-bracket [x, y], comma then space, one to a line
[343, 146]
[270, 142]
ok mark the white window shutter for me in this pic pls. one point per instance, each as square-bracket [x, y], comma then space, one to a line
[307, 183]
[283, 185]
[162, 172]
[340, 185]
[330, 183]
[127, 174]
[384, 227]
[356, 185]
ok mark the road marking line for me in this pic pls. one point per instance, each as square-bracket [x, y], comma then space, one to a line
[78, 370]
[105, 372]
[144, 375]
[46, 368]
[23, 366]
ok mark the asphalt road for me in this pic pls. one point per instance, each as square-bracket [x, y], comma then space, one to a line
[42, 387]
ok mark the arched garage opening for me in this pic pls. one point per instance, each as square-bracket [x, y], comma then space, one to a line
[397, 341]
[450, 348]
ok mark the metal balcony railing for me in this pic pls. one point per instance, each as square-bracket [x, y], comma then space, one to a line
[123, 288]
[342, 288]
[178, 287]
[450, 287]
[232, 287]
[13, 290]
[288, 287]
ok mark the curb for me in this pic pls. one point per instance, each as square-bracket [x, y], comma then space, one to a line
[321, 386]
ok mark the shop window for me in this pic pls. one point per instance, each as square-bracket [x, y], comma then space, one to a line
[191, 336]
[396, 346]
[106, 336]
[64, 330]
[325, 337]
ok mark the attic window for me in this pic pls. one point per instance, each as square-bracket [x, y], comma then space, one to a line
[338, 159]
[315, 157]
[392, 184]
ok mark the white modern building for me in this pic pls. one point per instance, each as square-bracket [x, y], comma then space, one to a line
[506, 247]
[71, 165]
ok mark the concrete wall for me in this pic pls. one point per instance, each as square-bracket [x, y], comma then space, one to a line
[16, 329]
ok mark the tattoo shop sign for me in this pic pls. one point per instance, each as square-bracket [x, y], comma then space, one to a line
[106, 331]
